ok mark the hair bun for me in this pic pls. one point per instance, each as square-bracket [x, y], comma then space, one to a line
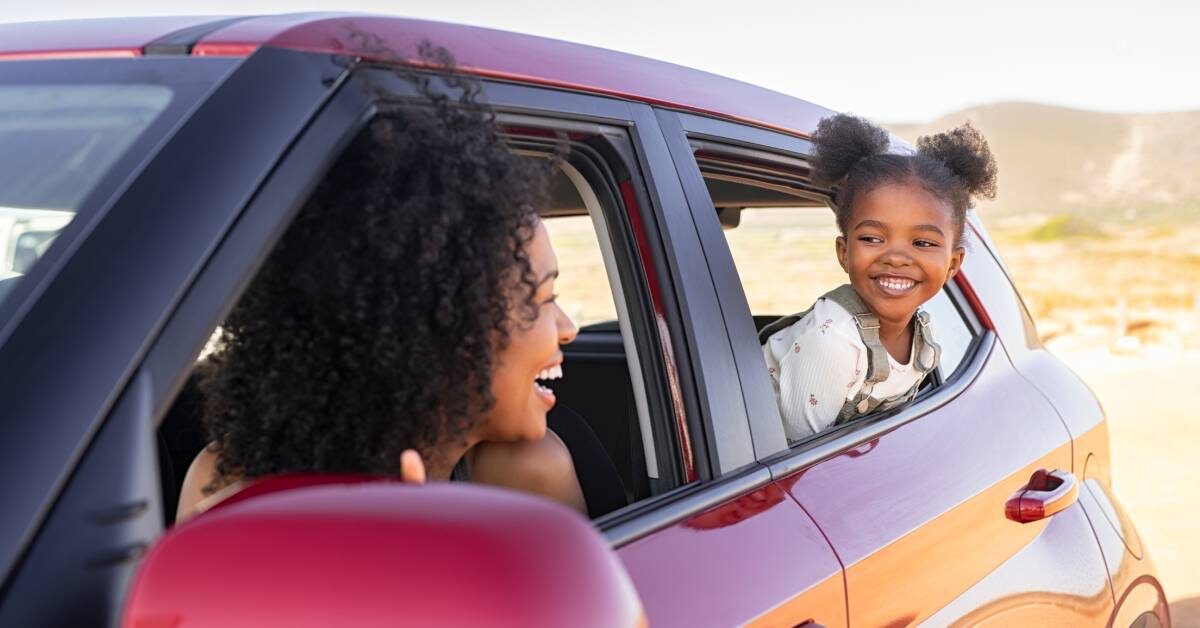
[840, 142]
[965, 152]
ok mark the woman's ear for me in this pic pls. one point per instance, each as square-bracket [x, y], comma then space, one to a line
[412, 468]
[840, 245]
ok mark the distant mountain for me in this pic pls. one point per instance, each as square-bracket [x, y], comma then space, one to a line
[1104, 165]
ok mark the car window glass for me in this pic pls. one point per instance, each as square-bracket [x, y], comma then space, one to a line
[56, 143]
[950, 331]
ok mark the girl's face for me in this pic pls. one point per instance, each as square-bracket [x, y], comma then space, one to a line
[899, 249]
[532, 353]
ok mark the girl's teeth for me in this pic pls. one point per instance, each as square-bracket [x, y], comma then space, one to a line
[896, 284]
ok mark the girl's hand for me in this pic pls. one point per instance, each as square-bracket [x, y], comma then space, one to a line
[412, 468]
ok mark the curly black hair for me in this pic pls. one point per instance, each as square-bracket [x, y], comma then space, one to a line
[851, 157]
[374, 324]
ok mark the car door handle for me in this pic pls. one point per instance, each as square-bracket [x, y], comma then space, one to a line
[1047, 493]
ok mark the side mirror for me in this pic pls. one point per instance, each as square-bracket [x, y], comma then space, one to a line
[342, 551]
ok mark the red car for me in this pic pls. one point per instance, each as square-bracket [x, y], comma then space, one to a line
[147, 165]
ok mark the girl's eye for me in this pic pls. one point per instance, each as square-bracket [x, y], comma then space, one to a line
[870, 239]
[924, 244]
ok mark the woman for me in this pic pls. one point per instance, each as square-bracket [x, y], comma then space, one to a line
[407, 314]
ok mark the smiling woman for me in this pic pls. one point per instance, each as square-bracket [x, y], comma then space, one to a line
[409, 306]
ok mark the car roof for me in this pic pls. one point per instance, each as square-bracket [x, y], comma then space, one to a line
[482, 51]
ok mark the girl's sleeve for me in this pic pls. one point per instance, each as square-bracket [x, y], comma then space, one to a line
[817, 372]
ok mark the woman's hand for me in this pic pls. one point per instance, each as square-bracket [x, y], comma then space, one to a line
[412, 468]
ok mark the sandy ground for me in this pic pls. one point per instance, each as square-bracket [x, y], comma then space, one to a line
[1154, 425]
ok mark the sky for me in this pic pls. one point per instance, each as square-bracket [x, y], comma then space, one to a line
[891, 60]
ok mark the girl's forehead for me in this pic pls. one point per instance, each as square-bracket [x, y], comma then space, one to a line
[900, 203]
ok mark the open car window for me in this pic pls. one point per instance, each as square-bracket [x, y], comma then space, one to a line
[781, 233]
[612, 409]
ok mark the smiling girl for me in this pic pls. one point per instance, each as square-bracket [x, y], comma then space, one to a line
[867, 346]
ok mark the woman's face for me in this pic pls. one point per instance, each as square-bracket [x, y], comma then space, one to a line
[899, 249]
[532, 353]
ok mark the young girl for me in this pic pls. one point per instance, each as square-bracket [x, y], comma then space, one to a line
[867, 346]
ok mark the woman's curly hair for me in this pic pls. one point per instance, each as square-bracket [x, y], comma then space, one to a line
[851, 157]
[374, 324]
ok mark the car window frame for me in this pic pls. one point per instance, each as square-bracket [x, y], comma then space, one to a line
[685, 314]
[784, 458]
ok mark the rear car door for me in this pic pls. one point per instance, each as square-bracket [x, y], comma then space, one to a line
[913, 500]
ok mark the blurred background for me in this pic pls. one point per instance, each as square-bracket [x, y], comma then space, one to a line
[1093, 112]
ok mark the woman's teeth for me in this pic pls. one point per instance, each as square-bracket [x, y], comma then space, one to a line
[554, 372]
[894, 284]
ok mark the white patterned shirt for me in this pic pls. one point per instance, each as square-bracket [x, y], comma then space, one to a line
[820, 363]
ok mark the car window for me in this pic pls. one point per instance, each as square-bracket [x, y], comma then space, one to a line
[604, 380]
[781, 233]
[785, 257]
[56, 143]
[609, 401]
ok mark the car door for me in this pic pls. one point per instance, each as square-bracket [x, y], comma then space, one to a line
[913, 501]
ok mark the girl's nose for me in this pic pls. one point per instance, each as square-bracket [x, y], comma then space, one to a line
[566, 327]
[896, 256]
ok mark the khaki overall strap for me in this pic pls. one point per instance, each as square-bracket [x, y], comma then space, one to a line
[928, 351]
[868, 330]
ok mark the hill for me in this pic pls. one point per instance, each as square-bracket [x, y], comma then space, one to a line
[1108, 167]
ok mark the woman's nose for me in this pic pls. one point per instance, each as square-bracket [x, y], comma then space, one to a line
[566, 328]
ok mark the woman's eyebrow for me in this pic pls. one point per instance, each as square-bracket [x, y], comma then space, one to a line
[550, 275]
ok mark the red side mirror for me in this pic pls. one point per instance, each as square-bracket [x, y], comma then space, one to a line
[382, 553]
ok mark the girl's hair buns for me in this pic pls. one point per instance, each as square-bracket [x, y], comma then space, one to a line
[965, 152]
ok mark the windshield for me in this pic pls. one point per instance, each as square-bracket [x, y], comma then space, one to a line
[56, 142]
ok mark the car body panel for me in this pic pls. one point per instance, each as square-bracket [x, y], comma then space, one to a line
[125, 37]
[760, 544]
[932, 493]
